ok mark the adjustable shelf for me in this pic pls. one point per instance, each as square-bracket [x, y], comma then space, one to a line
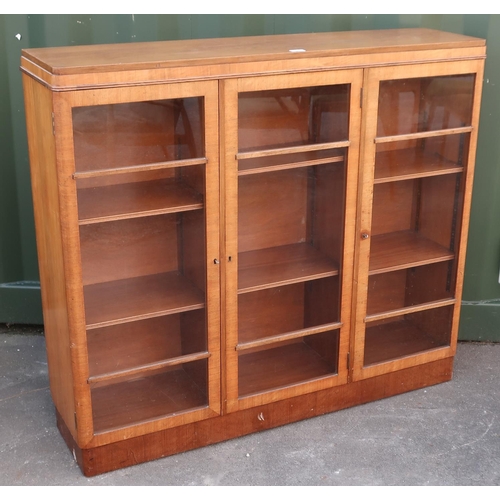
[283, 265]
[92, 172]
[248, 341]
[411, 163]
[425, 306]
[293, 157]
[144, 370]
[121, 301]
[404, 249]
[140, 199]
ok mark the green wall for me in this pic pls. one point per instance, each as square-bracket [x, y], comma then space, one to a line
[19, 291]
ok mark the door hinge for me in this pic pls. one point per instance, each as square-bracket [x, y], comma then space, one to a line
[348, 360]
[53, 125]
[76, 422]
[361, 97]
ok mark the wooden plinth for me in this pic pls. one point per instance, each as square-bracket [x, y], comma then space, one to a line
[94, 461]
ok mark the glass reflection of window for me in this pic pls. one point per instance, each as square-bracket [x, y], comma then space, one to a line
[424, 104]
[292, 117]
[139, 133]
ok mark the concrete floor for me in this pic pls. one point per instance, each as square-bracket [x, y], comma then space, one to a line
[443, 435]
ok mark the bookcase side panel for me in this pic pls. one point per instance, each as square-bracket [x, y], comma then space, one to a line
[42, 153]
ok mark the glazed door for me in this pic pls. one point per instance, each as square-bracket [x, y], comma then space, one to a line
[143, 168]
[291, 155]
[418, 158]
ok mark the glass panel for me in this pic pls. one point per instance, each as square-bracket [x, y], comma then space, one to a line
[290, 253]
[292, 117]
[148, 266]
[287, 363]
[417, 201]
[291, 208]
[423, 104]
[144, 291]
[142, 243]
[137, 133]
[415, 222]
[407, 335]
[284, 161]
[290, 224]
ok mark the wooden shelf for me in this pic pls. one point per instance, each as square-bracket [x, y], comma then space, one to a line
[288, 160]
[280, 367]
[396, 339]
[276, 266]
[411, 163]
[423, 135]
[125, 201]
[135, 401]
[409, 309]
[284, 337]
[143, 370]
[93, 171]
[145, 297]
[403, 249]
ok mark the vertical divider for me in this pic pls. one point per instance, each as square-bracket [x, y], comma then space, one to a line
[228, 107]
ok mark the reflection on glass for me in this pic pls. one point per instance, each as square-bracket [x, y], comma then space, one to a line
[291, 208]
[423, 104]
[292, 117]
[137, 133]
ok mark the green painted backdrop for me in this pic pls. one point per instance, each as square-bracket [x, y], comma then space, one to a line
[19, 288]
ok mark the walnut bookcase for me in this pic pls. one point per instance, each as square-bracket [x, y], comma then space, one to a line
[237, 234]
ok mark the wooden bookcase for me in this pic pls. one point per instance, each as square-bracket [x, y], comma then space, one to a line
[237, 234]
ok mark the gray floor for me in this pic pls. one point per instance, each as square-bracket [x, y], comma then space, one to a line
[443, 435]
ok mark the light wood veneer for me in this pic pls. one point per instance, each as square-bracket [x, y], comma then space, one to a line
[242, 233]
